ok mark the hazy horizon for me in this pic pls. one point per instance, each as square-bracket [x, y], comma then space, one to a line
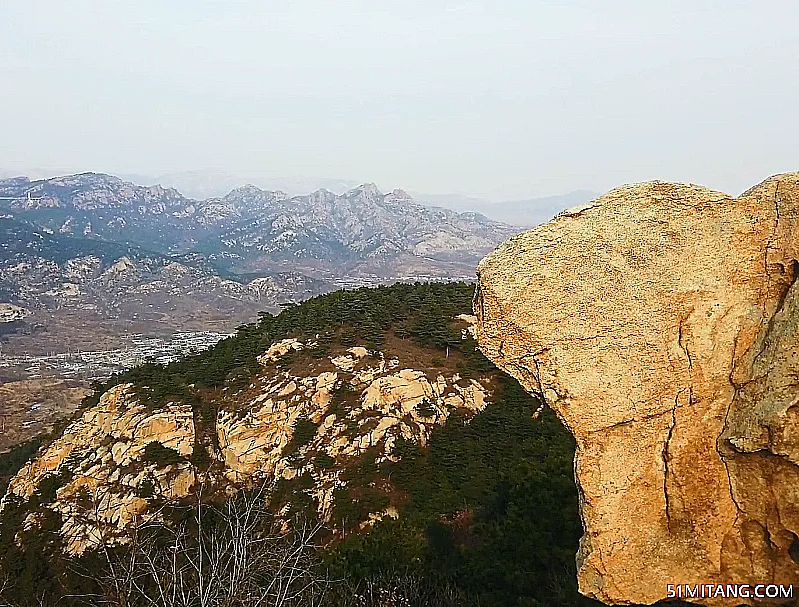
[213, 183]
[498, 101]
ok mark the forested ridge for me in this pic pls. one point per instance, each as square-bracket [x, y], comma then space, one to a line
[488, 512]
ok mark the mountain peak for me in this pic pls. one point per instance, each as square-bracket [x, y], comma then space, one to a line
[322, 195]
[398, 196]
[247, 189]
[370, 190]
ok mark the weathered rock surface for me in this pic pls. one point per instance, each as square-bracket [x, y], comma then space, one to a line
[10, 312]
[391, 403]
[101, 455]
[362, 401]
[661, 322]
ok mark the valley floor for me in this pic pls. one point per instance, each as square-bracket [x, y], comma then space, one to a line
[46, 369]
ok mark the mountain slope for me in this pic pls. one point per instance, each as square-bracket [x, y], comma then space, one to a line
[42, 270]
[372, 409]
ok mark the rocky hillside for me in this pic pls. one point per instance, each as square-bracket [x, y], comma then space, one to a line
[53, 286]
[43, 270]
[371, 411]
[660, 322]
[362, 231]
[283, 426]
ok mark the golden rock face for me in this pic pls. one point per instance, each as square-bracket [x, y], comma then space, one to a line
[661, 324]
[103, 452]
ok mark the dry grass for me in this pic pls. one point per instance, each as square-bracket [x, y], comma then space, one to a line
[31, 407]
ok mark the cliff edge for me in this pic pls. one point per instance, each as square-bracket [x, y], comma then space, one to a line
[661, 322]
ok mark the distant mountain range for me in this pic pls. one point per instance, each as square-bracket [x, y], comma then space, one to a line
[362, 232]
[525, 213]
[213, 183]
[81, 248]
[94, 244]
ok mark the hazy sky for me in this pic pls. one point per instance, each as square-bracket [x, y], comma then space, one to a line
[504, 99]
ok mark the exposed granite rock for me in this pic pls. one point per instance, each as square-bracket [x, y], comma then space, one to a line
[278, 349]
[10, 312]
[107, 476]
[661, 322]
[102, 456]
[389, 406]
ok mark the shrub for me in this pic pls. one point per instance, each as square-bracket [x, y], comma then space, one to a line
[304, 431]
[156, 453]
[200, 457]
[425, 408]
[323, 461]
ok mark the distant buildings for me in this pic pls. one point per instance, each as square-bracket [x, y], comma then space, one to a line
[101, 364]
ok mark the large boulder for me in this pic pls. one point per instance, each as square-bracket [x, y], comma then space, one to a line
[661, 322]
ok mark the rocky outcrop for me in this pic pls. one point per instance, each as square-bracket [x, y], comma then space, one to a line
[661, 322]
[100, 459]
[104, 470]
[387, 403]
[10, 312]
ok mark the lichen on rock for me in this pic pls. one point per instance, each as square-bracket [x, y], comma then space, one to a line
[660, 322]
